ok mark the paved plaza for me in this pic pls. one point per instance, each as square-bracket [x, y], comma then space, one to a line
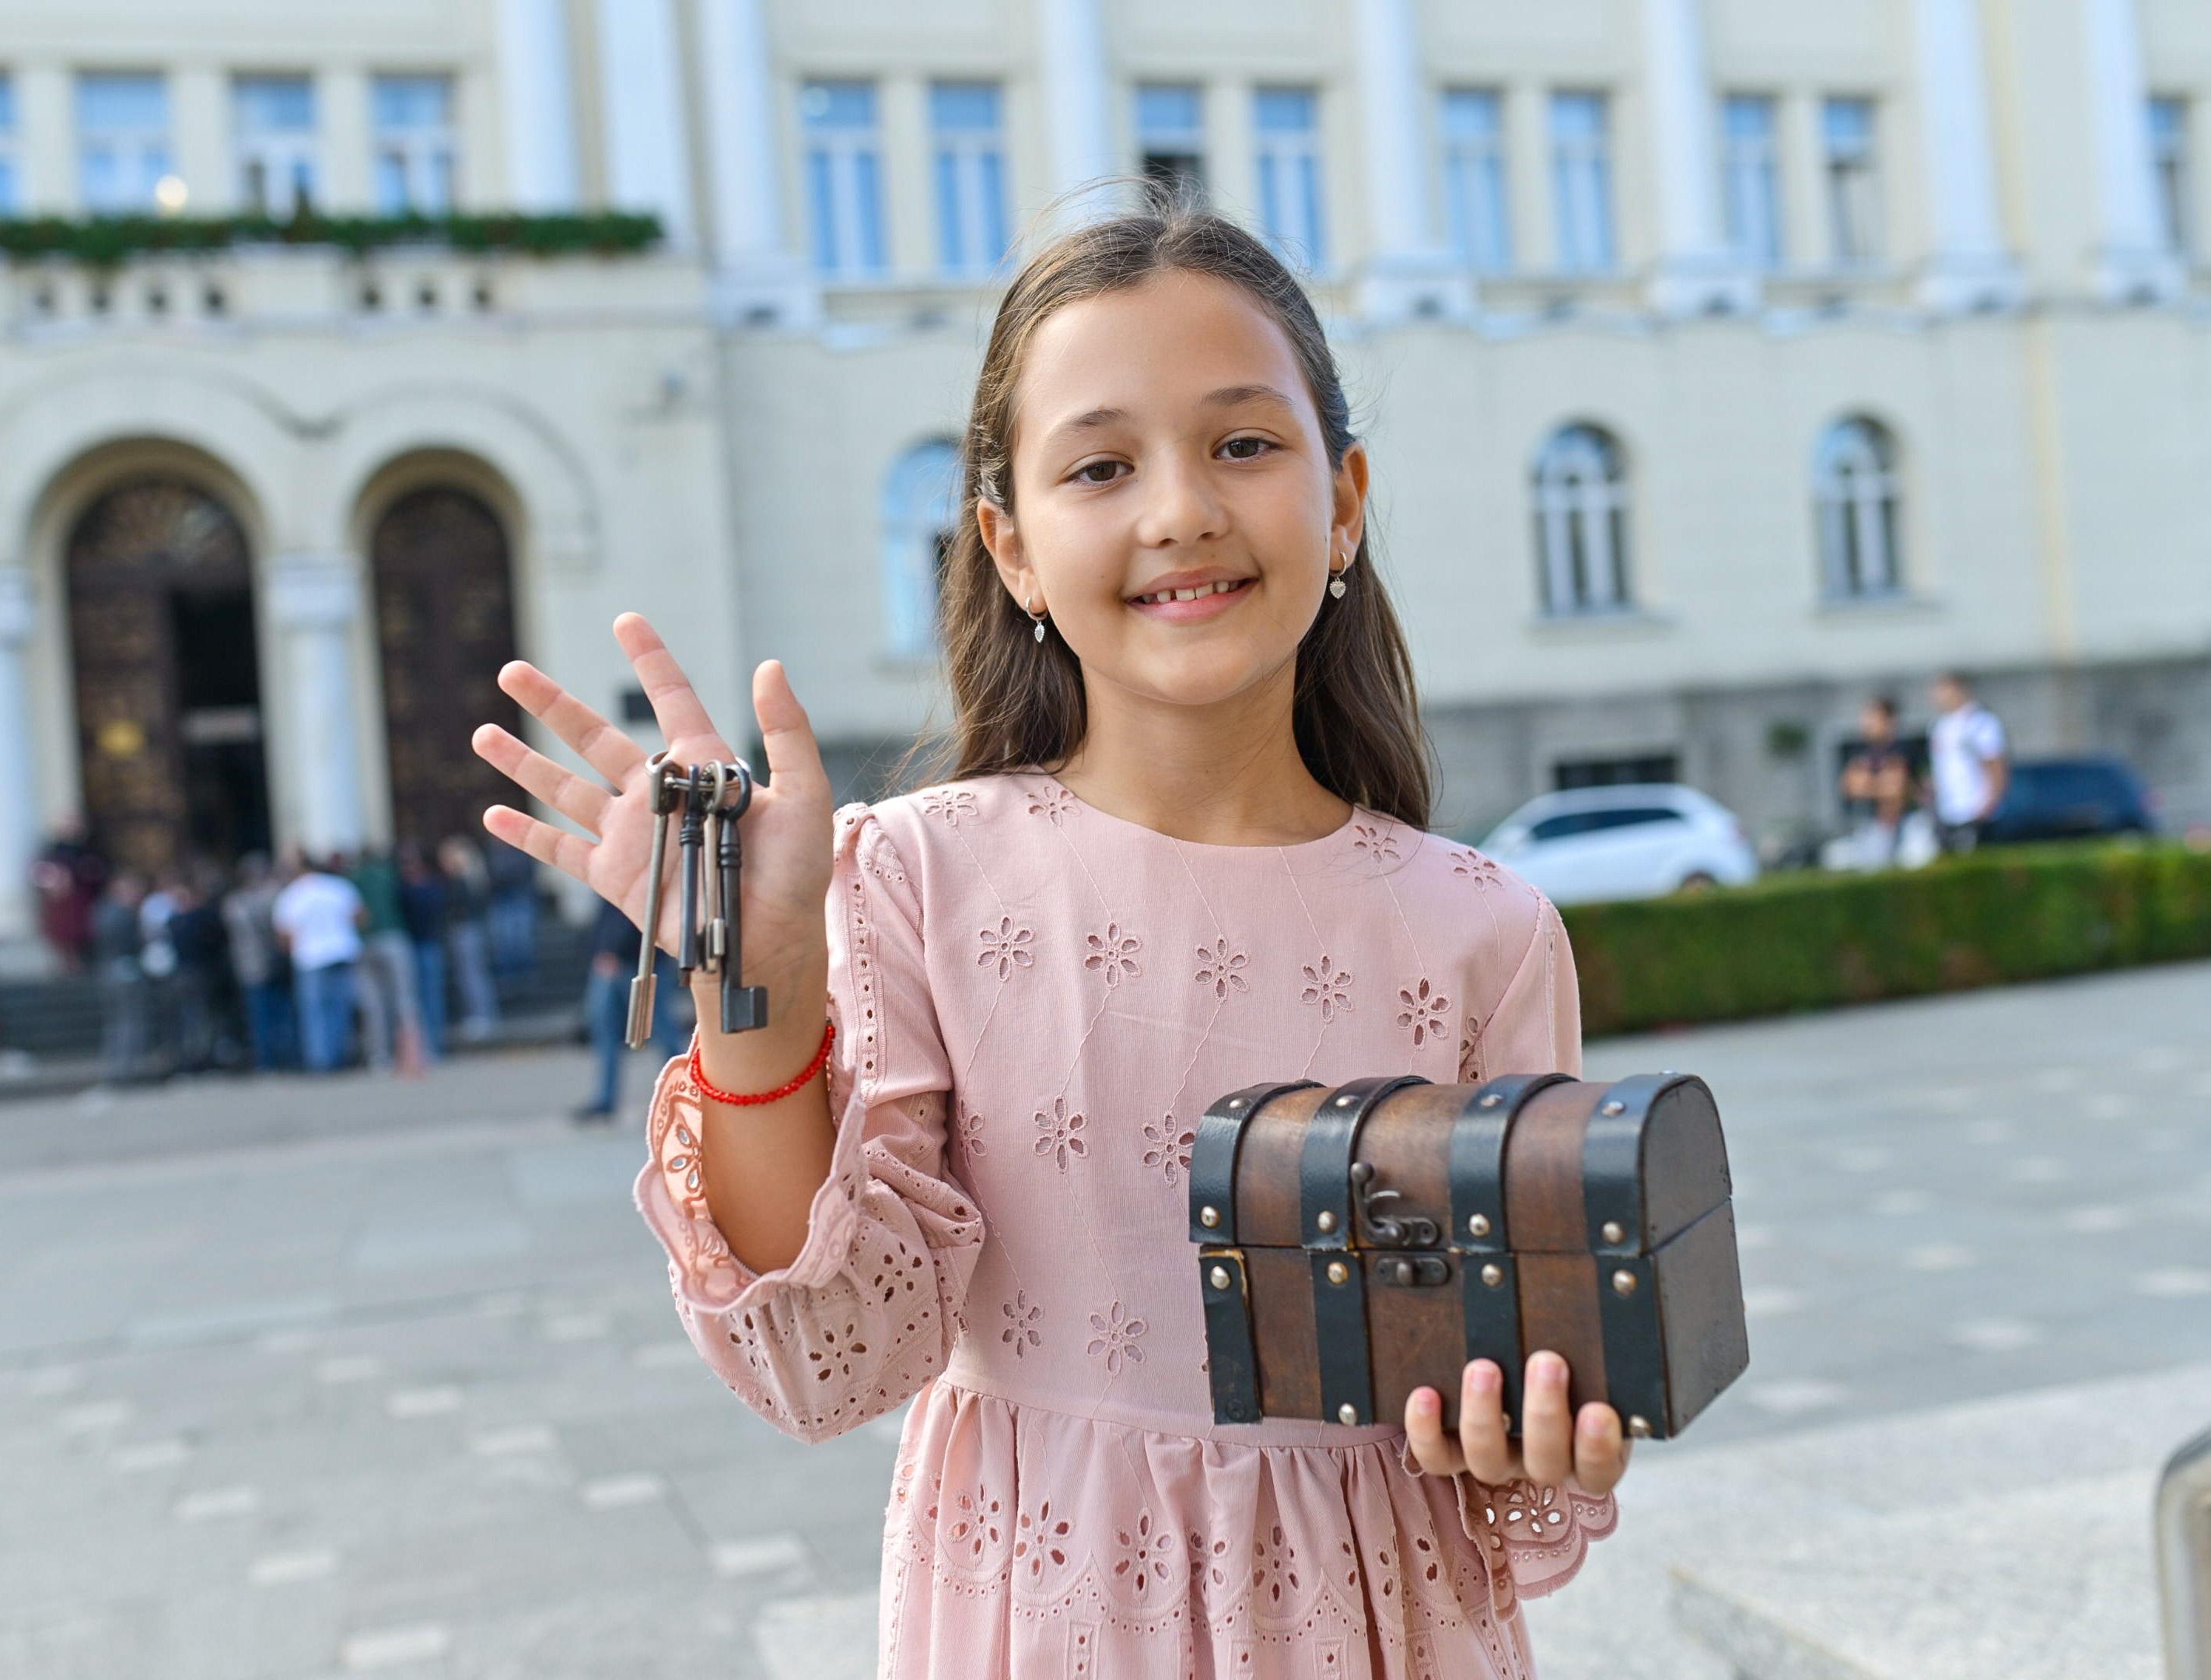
[304, 1380]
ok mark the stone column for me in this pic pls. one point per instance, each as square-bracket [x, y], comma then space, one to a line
[1695, 273]
[2132, 264]
[538, 104]
[641, 95]
[18, 788]
[1407, 272]
[312, 598]
[760, 279]
[1077, 89]
[1968, 266]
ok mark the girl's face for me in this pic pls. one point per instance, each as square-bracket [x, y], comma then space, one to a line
[1166, 442]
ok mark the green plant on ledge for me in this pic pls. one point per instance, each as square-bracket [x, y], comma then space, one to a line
[107, 242]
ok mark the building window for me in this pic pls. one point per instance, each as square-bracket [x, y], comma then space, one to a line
[415, 144]
[920, 500]
[1581, 181]
[1855, 492]
[123, 142]
[1171, 135]
[843, 177]
[273, 119]
[10, 199]
[2168, 158]
[971, 176]
[1853, 225]
[1751, 179]
[1581, 523]
[1288, 124]
[1473, 178]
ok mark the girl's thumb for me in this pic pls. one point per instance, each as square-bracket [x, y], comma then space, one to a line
[794, 761]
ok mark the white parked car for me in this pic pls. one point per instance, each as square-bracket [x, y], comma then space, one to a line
[1635, 841]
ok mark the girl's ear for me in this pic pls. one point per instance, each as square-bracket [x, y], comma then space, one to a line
[1348, 524]
[1003, 539]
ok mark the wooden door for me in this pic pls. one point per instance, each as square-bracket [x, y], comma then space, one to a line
[445, 619]
[146, 563]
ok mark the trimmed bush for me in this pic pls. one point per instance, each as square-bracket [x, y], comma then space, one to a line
[107, 242]
[1814, 941]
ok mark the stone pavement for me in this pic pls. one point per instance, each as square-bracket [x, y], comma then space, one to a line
[300, 1379]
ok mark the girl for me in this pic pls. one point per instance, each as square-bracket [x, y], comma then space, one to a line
[1181, 850]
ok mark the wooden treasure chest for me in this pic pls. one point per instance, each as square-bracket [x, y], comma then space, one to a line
[1356, 1244]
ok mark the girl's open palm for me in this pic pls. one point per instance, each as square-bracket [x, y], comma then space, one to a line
[786, 830]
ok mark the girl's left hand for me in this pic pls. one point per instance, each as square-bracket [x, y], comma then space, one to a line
[1554, 1447]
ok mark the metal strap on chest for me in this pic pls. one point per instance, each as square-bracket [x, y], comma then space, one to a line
[1489, 1280]
[1627, 1277]
[1224, 1284]
[1339, 1275]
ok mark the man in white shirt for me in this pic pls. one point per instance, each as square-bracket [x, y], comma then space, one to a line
[319, 918]
[1970, 759]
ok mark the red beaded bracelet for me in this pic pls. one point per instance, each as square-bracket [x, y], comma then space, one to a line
[738, 1099]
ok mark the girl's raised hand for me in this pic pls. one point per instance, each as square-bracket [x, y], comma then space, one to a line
[1555, 1446]
[786, 829]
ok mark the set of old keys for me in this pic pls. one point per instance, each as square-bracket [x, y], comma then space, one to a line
[710, 859]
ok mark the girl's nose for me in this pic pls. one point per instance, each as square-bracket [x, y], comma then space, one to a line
[1181, 507]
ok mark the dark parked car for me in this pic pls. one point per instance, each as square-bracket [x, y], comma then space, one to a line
[2068, 798]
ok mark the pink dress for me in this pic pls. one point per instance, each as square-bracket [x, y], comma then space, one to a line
[1035, 1001]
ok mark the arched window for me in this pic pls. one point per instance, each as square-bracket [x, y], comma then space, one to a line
[917, 511]
[1854, 489]
[1581, 522]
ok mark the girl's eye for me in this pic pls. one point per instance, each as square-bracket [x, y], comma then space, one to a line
[1245, 448]
[1099, 472]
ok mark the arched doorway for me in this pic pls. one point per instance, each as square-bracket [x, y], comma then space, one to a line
[444, 623]
[169, 676]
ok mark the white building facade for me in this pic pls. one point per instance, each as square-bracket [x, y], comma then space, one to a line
[1723, 361]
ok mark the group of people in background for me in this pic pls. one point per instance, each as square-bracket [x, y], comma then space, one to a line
[1905, 816]
[314, 963]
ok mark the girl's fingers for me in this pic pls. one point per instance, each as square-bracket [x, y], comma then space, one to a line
[794, 761]
[1547, 1434]
[604, 747]
[1424, 1431]
[1483, 1434]
[675, 703]
[1600, 1449]
[568, 793]
[569, 853]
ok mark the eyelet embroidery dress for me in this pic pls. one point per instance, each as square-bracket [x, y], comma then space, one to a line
[1035, 1001]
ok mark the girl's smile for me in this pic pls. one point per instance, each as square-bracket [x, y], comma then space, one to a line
[1191, 598]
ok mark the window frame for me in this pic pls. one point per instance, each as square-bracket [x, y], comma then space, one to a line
[1751, 182]
[145, 148]
[1582, 524]
[968, 163]
[423, 159]
[1477, 179]
[2172, 172]
[10, 148]
[1287, 176]
[1583, 196]
[1858, 501]
[918, 508]
[288, 156]
[1178, 149]
[845, 182]
[1849, 181]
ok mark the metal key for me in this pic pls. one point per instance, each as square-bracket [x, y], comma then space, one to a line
[743, 1007]
[642, 989]
[713, 933]
[690, 841]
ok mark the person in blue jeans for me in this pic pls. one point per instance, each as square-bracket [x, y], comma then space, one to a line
[615, 942]
[319, 918]
[423, 902]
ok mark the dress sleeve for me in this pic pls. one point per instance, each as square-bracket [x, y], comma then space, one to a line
[1532, 1539]
[867, 1310]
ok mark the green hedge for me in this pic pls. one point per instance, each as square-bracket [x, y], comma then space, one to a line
[1814, 941]
[108, 241]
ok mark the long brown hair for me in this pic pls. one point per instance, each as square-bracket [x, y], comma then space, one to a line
[1017, 701]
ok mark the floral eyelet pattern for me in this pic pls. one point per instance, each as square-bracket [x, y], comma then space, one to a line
[1477, 871]
[1328, 988]
[1377, 846]
[1060, 1133]
[1221, 968]
[1008, 946]
[1422, 1011]
[949, 802]
[1168, 1150]
[1113, 1336]
[1113, 955]
[1052, 803]
[1020, 1333]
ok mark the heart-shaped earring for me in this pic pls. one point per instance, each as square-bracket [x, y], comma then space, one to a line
[1036, 618]
[1336, 583]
